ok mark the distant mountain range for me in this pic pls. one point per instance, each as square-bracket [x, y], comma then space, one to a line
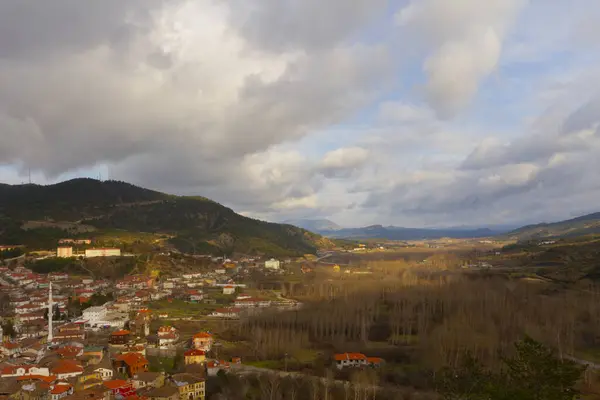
[584, 225]
[330, 229]
[400, 233]
[192, 223]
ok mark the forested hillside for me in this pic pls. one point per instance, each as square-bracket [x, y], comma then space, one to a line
[38, 215]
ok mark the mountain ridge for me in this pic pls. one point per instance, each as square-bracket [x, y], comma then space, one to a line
[194, 223]
[314, 225]
[578, 226]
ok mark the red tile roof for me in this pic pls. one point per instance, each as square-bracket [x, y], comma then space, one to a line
[47, 379]
[116, 384]
[66, 367]
[350, 356]
[132, 359]
[202, 335]
[60, 389]
[194, 353]
[122, 332]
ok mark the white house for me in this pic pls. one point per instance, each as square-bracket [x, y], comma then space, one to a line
[94, 314]
[228, 289]
[272, 264]
[23, 370]
[105, 373]
[167, 335]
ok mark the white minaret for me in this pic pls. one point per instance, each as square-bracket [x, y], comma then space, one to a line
[50, 306]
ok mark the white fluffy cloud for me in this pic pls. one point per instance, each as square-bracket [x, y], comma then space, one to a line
[465, 39]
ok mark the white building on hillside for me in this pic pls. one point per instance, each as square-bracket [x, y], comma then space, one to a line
[94, 315]
[272, 264]
[102, 253]
[64, 252]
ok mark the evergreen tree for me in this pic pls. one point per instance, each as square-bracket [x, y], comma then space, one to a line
[533, 373]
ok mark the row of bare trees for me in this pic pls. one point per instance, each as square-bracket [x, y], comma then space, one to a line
[439, 316]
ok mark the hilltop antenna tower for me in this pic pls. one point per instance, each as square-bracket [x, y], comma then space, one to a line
[30, 175]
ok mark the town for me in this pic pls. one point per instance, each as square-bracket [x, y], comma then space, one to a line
[140, 336]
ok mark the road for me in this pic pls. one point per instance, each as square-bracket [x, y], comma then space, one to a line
[241, 369]
[15, 258]
[589, 364]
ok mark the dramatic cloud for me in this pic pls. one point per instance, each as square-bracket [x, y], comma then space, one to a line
[465, 38]
[342, 162]
[421, 112]
[166, 92]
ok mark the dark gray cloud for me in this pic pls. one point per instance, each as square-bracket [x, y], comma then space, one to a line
[173, 96]
[35, 29]
[277, 25]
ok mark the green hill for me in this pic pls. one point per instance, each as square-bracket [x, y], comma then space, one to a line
[38, 215]
[584, 225]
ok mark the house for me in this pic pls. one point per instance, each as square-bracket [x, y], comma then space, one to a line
[346, 360]
[60, 390]
[163, 393]
[9, 349]
[94, 353]
[120, 337]
[70, 332]
[64, 369]
[195, 295]
[191, 387]
[102, 253]
[272, 264]
[167, 330]
[167, 335]
[93, 315]
[11, 371]
[70, 352]
[228, 289]
[28, 308]
[202, 341]
[88, 379]
[119, 388]
[130, 363]
[148, 379]
[106, 374]
[194, 356]
[58, 276]
[64, 252]
[213, 367]
[75, 241]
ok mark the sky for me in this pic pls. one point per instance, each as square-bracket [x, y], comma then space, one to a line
[404, 112]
